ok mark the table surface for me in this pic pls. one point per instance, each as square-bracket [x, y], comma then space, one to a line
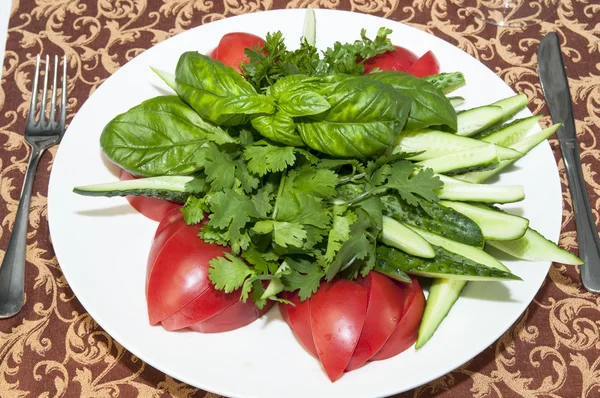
[55, 347]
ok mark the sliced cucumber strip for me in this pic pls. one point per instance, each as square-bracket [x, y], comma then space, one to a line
[396, 235]
[310, 26]
[472, 121]
[470, 252]
[434, 218]
[495, 225]
[482, 118]
[512, 132]
[456, 101]
[464, 192]
[447, 82]
[434, 143]
[534, 247]
[166, 77]
[173, 188]
[523, 146]
[443, 293]
[445, 264]
[474, 159]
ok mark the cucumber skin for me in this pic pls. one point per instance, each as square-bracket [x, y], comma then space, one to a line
[172, 196]
[390, 261]
[447, 82]
[435, 219]
[443, 293]
[398, 236]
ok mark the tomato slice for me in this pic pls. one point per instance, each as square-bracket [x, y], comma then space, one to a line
[231, 48]
[405, 334]
[168, 226]
[399, 60]
[427, 65]
[236, 316]
[154, 209]
[179, 273]
[298, 319]
[384, 310]
[206, 305]
[337, 313]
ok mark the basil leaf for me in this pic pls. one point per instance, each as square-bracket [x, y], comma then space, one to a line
[302, 103]
[365, 117]
[217, 92]
[279, 128]
[158, 137]
[430, 107]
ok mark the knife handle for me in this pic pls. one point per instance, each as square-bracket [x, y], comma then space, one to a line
[587, 233]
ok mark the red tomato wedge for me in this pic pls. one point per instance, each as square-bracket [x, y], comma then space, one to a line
[231, 48]
[171, 223]
[179, 273]
[154, 209]
[427, 65]
[399, 60]
[298, 319]
[236, 316]
[405, 334]
[384, 310]
[337, 313]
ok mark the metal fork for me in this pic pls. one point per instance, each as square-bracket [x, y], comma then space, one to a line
[40, 133]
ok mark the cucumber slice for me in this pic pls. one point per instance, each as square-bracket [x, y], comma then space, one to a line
[434, 218]
[495, 225]
[472, 253]
[445, 264]
[472, 121]
[173, 188]
[474, 159]
[447, 82]
[534, 247]
[456, 101]
[397, 235]
[310, 26]
[464, 192]
[510, 133]
[478, 119]
[443, 293]
[435, 143]
[523, 146]
[166, 77]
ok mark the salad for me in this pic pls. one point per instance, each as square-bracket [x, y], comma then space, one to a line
[326, 183]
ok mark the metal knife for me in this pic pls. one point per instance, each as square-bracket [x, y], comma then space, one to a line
[558, 97]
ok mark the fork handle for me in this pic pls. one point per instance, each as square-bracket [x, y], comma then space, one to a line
[12, 271]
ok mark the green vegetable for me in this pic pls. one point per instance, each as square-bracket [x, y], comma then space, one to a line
[430, 107]
[445, 264]
[217, 92]
[364, 119]
[434, 218]
[159, 137]
[396, 235]
[447, 82]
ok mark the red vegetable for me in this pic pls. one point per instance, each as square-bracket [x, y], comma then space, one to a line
[298, 319]
[337, 314]
[425, 66]
[399, 60]
[154, 209]
[231, 48]
[405, 334]
[179, 293]
[384, 310]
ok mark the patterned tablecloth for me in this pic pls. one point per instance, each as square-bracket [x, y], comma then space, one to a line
[55, 349]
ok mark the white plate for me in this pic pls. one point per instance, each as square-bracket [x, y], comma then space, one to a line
[102, 243]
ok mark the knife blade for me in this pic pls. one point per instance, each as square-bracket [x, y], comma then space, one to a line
[555, 86]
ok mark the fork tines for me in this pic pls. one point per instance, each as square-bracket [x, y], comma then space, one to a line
[45, 121]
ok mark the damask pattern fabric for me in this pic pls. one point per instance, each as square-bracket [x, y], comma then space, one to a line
[55, 349]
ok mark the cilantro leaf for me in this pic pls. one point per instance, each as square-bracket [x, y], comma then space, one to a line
[423, 183]
[229, 273]
[264, 263]
[284, 233]
[304, 275]
[339, 233]
[219, 167]
[193, 210]
[317, 182]
[301, 208]
[263, 157]
[247, 181]
[262, 199]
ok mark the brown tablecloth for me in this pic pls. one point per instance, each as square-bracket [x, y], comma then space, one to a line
[55, 349]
